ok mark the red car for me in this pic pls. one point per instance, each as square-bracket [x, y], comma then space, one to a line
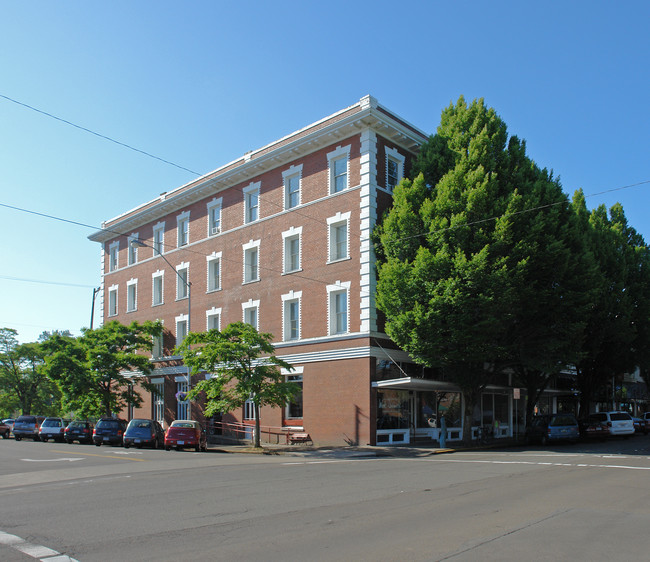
[185, 433]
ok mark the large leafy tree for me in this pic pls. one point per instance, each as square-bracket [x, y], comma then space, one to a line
[99, 372]
[468, 244]
[23, 382]
[244, 366]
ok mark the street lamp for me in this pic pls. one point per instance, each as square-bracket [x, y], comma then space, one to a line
[136, 243]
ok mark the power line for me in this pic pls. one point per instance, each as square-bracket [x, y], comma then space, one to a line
[98, 134]
[43, 282]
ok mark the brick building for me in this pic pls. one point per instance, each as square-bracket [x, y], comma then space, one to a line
[280, 238]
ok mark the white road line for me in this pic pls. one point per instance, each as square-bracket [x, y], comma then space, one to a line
[39, 552]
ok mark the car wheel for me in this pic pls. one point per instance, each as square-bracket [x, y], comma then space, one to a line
[44, 439]
[168, 448]
[18, 438]
[544, 440]
[197, 448]
[127, 445]
[5, 435]
[70, 441]
[178, 448]
[98, 444]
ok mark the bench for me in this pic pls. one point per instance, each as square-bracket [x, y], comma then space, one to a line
[299, 438]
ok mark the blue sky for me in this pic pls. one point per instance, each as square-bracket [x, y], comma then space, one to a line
[200, 83]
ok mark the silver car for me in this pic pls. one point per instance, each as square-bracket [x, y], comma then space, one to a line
[618, 423]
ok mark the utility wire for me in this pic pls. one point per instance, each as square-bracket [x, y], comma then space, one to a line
[41, 281]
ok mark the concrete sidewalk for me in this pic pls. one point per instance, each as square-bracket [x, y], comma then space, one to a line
[330, 452]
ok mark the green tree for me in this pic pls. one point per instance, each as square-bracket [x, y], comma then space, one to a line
[244, 366]
[98, 372]
[22, 379]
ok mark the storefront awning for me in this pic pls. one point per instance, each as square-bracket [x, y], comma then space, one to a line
[411, 383]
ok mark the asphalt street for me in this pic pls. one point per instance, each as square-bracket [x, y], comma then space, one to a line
[72, 502]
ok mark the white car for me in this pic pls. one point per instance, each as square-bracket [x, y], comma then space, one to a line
[618, 423]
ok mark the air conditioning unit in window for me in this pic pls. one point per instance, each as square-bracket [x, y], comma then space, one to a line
[215, 230]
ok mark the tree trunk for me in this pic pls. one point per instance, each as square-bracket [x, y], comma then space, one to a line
[256, 408]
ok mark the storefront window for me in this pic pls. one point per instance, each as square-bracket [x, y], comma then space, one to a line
[393, 410]
[427, 409]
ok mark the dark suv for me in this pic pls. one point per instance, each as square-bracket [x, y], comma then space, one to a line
[109, 431]
[78, 430]
[27, 427]
[143, 432]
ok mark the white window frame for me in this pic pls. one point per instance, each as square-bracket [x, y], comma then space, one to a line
[249, 410]
[394, 156]
[132, 249]
[182, 289]
[113, 307]
[292, 297]
[158, 399]
[333, 291]
[251, 271]
[214, 224]
[213, 281]
[295, 376]
[294, 172]
[159, 238]
[183, 229]
[113, 256]
[252, 194]
[248, 308]
[181, 322]
[132, 295]
[157, 347]
[341, 152]
[182, 406]
[158, 277]
[333, 223]
[210, 315]
[287, 237]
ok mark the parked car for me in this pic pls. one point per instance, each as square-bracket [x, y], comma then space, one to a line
[641, 425]
[618, 423]
[144, 432]
[6, 428]
[553, 427]
[27, 427]
[109, 431]
[593, 428]
[78, 430]
[52, 428]
[646, 416]
[186, 433]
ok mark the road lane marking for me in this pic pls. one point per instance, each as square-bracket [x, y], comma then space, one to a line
[37, 551]
[69, 459]
[106, 456]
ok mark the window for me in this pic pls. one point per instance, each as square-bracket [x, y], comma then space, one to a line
[213, 319]
[132, 256]
[250, 313]
[338, 236]
[294, 407]
[132, 295]
[112, 301]
[157, 280]
[252, 202]
[182, 282]
[394, 168]
[292, 181]
[181, 328]
[159, 238]
[338, 162]
[113, 253]
[214, 271]
[183, 228]
[338, 307]
[158, 400]
[251, 261]
[291, 254]
[214, 217]
[157, 348]
[182, 406]
[291, 315]
[249, 410]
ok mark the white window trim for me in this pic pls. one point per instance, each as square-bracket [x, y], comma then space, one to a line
[210, 313]
[248, 305]
[114, 247]
[215, 256]
[132, 283]
[159, 273]
[332, 222]
[339, 152]
[252, 244]
[332, 290]
[113, 289]
[159, 227]
[393, 154]
[216, 202]
[287, 298]
[180, 219]
[177, 320]
[252, 188]
[132, 249]
[286, 236]
[179, 283]
[293, 171]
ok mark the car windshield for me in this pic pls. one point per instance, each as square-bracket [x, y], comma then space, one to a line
[620, 417]
[185, 425]
[563, 420]
[76, 425]
[51, 423]
[108, 424]
[26, 419]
